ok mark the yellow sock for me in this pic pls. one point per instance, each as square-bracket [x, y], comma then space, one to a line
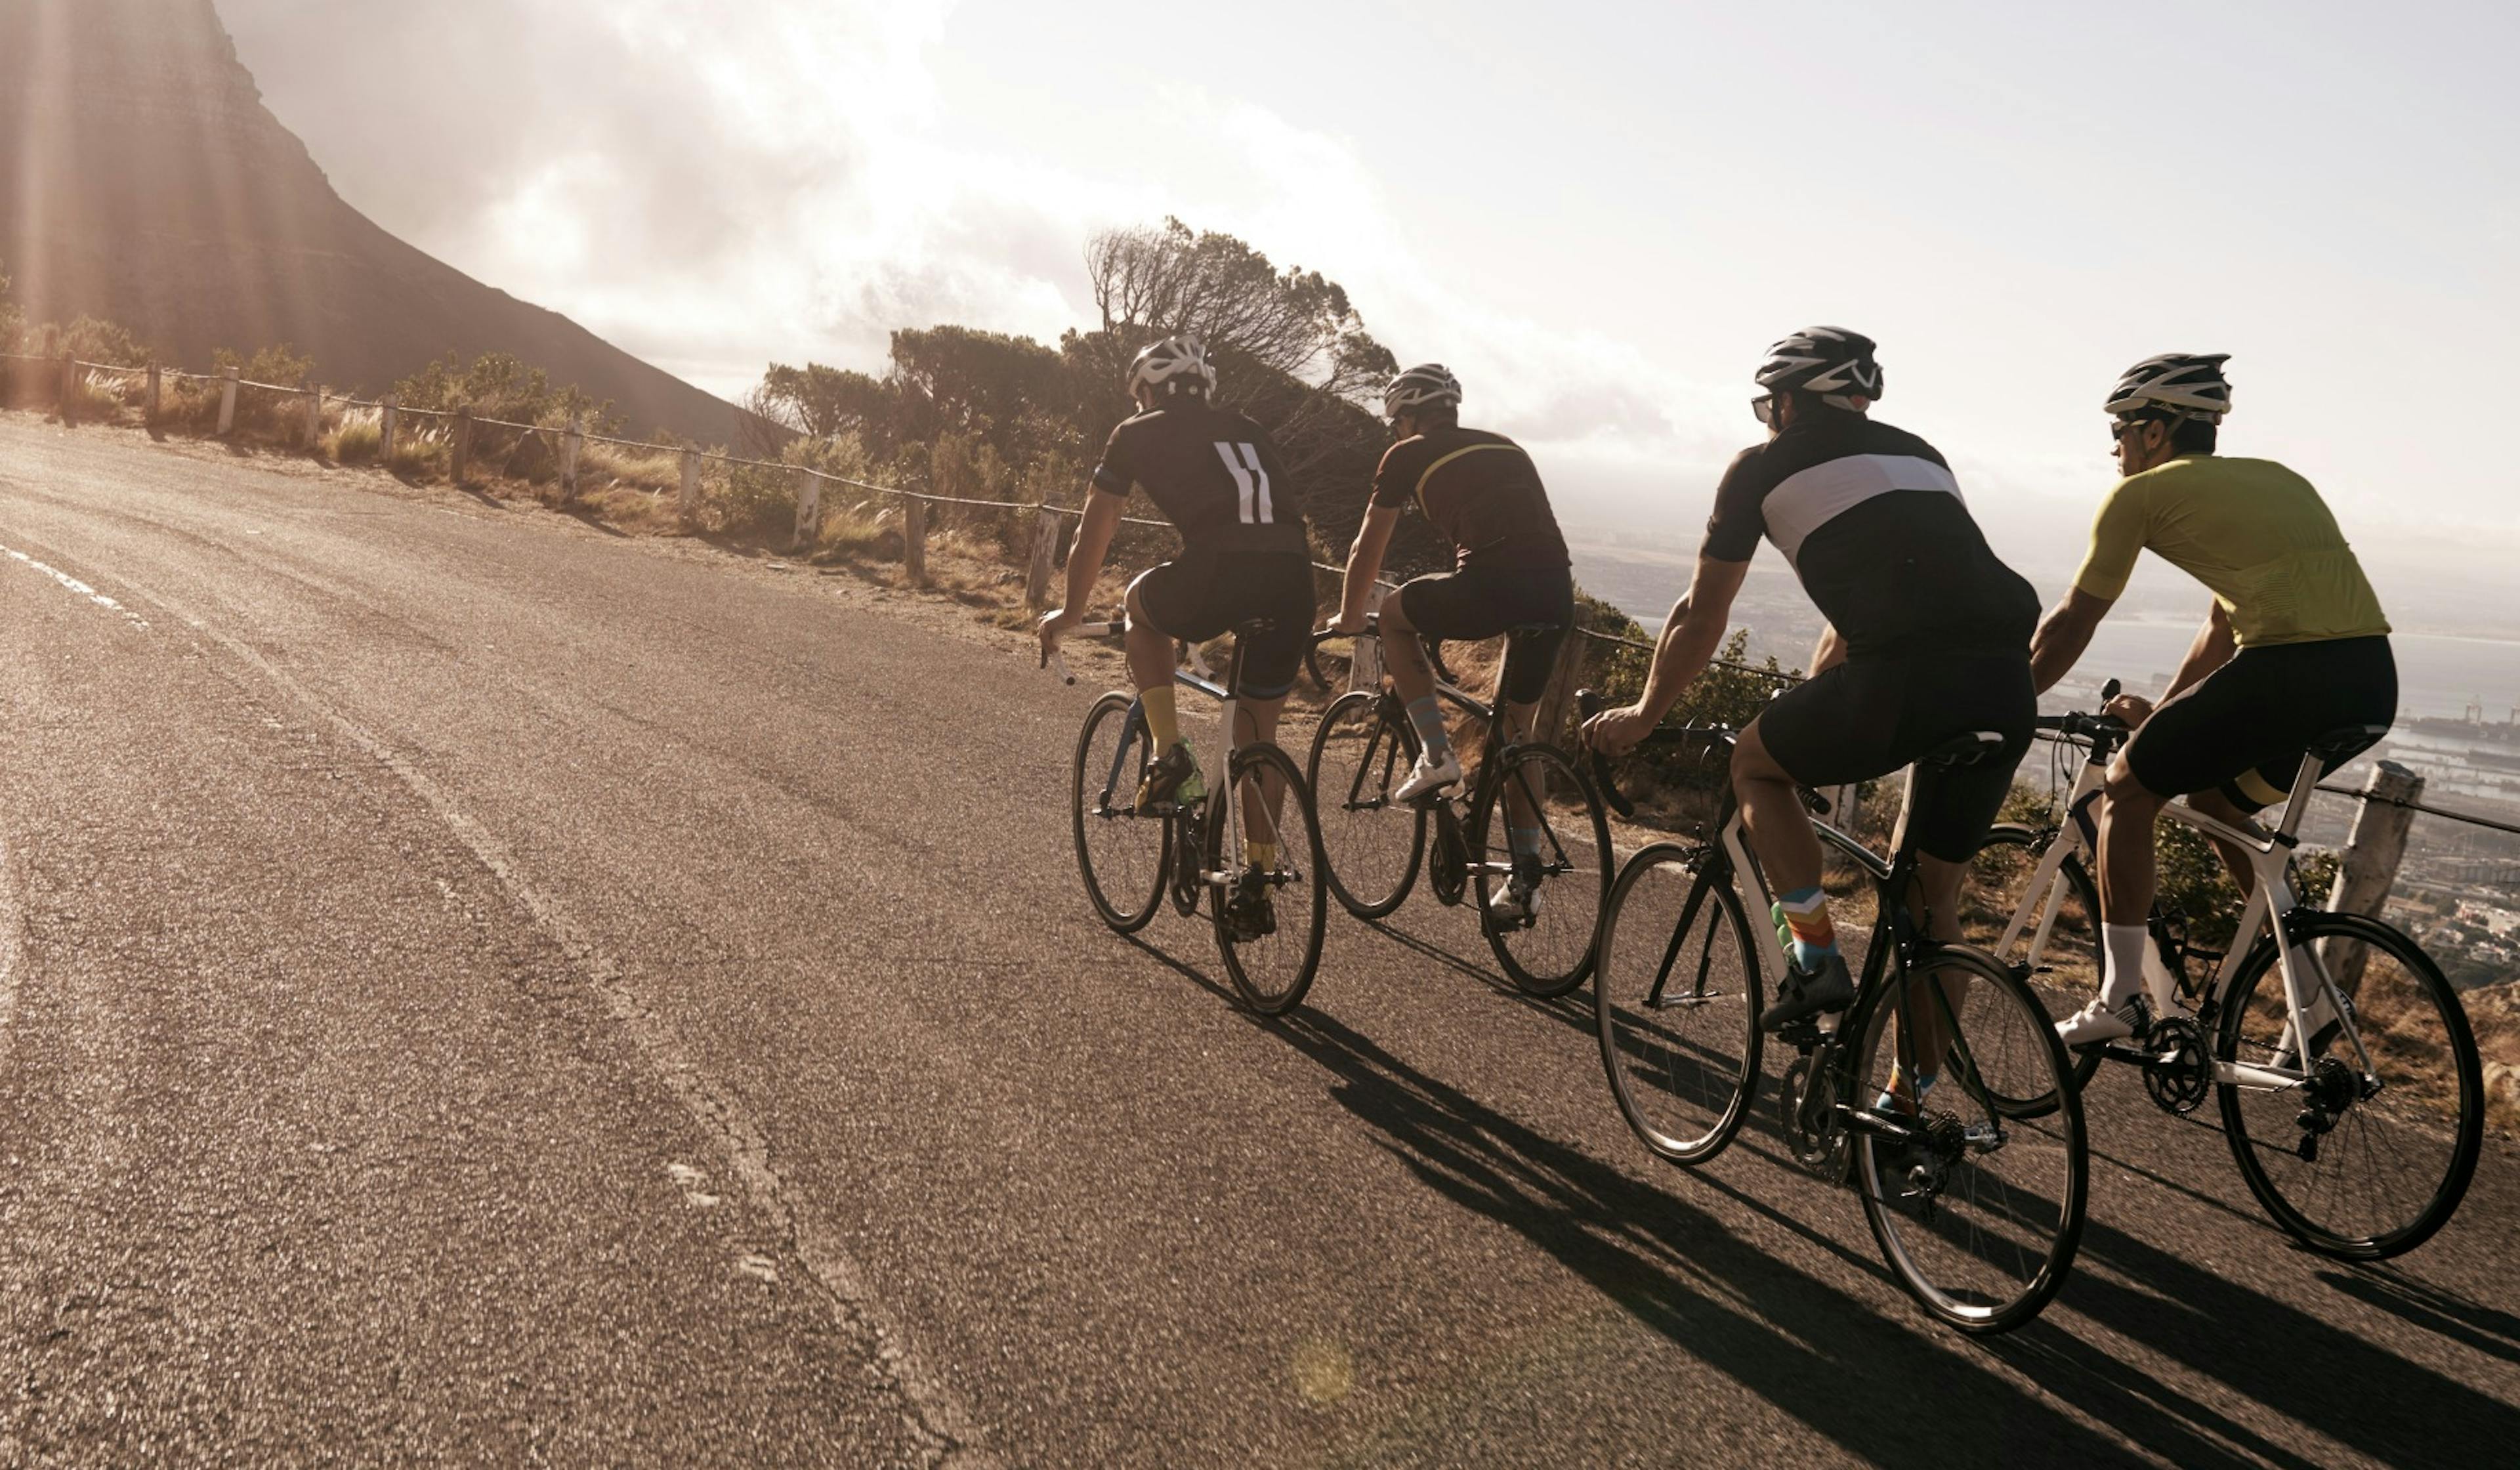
[1260, 854]
[1163, 722]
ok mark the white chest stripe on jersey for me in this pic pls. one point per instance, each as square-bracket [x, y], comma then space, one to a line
[1806, 500]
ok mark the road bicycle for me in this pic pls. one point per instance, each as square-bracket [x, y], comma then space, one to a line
[2360, 1145]
[1975, 1192]
[1375, 846]
[1252, 834]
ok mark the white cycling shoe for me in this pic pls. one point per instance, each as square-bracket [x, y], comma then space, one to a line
[2097, 1023]
[1429, 776]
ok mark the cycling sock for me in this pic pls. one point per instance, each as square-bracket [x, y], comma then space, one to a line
[2124, 946]
[1888, 1101]
[1259, 854]
[1525, 840]
[1163, 721]
[1428, 717]
[1803, 927]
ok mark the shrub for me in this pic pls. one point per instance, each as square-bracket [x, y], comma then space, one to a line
[359, 438]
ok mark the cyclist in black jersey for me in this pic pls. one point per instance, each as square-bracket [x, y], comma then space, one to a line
[1483, 495]
[1244, 556]
[1929, 638]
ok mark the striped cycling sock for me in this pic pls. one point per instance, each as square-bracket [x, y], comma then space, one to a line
[1428, 718]
[1803, 927]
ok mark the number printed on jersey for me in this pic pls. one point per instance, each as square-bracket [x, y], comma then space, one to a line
[1242, 462]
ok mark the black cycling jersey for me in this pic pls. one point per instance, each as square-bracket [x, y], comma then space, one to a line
[1212, 473]
[1872, 522]
[1481, 490]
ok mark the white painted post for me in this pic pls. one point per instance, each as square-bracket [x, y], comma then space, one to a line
[386, 429]
[913, 541]
[149, 407]
[1365, 668]
[690, 505]
[809, 508]
[314, 417]
[227, 402]
[571, 446]
[1044, 555]
[461, 454]
[69, 401]
[2372, 853]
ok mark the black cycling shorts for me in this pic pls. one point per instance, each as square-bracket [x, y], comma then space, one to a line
[1199, 596]
[1480, 602]
[1875, 713]
[2243, 728]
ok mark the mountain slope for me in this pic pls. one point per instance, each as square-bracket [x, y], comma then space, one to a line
[142, 180]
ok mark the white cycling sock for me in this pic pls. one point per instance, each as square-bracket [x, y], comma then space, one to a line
[2124, 946]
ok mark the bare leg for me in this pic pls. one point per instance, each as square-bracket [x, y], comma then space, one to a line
[2128, 872]
[1403, 655]
[1938, 883]
[1780, 828]
[2236, 860]
[1518, 808]
[1256, 724]
[1151, 649]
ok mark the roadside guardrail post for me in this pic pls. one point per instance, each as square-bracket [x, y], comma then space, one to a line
[572, 445]
[2373, 849]
[149, 405]
[689, 503]
[809, 508]
[385, 429]
[1044, 555]
[460, 456]
[227, 402]
[68, 404]
[1365, 665]
[314, 417]
[914, 540]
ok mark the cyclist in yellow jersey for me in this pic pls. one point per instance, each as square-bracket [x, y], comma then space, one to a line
[2294, 646]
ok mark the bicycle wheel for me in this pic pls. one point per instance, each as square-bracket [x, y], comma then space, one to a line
[2359, 1166]
[1122, 855]
[2065, 969]
[1551, 951]
[1977, 1209]
[1265, 827]
[1372, 846]
[1676, 1000]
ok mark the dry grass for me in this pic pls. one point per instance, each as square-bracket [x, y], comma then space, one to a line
[358, 439]
[606, 466]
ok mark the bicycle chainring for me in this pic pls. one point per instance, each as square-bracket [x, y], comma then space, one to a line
[2179, 1073]
[1448, 869]
[1815, 1133]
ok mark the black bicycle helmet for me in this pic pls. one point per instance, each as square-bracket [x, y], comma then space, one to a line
[1830, 362]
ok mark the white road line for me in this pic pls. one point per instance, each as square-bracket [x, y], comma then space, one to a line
[76, 586]
[935, 1414]
[13, 923]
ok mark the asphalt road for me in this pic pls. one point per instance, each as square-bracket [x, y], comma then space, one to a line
[474, 987]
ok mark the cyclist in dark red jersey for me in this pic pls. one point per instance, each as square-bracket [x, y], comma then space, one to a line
[1483, 494]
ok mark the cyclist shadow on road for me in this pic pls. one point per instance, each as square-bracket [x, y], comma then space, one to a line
[1883, 1390]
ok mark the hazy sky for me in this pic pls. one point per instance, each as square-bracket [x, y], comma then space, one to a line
[1597, 214]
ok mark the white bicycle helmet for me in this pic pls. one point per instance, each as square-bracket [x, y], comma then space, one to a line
[1426, 385]
[2177, 385]
[1171, 364]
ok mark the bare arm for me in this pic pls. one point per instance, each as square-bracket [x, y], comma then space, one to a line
[1085, 558]
[1694, 631]
[1364, 563]
[2213, 649]
[2063, 634]
[1829, 651]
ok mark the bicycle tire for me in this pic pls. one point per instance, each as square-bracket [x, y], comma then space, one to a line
[2045, 1183]
[1562, 961]
[2248, 1127]
[1282, 986]
[1114, 895]
[1389, 744]
[1633, 1041]
[2063, 990]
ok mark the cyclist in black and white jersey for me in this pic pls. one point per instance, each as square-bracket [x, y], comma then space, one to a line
[1929, 638]
[1217, 477]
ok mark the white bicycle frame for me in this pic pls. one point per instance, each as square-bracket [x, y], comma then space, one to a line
[2270, 900]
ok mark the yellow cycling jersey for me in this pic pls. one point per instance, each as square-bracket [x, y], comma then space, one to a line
[2254, 532]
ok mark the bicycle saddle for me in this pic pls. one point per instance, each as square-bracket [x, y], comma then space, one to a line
[1250, 626]
[2342, 744]
[1529, 630]
[1963, 749]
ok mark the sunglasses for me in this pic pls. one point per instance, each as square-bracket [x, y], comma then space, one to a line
[1765, 406]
